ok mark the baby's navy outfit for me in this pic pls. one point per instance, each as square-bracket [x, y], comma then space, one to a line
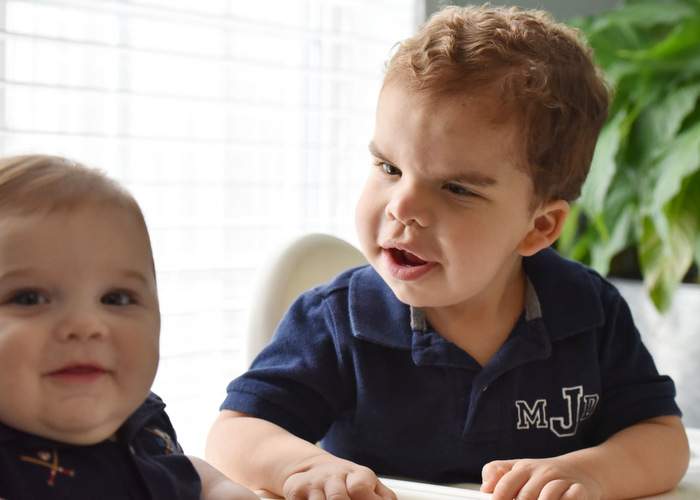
[142, 461]
[352, 366]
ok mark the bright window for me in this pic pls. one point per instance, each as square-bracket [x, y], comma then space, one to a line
[236, 124]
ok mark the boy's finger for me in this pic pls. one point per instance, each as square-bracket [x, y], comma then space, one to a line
[554, 490]
[361, 483]
[316, 495]
[574, 492]
[510, 483]
[266, 494]
[384, 492]
[335, 489]
[492, 472]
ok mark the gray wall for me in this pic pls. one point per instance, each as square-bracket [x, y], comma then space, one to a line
[560, 9]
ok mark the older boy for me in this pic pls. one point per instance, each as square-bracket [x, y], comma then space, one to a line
[79, 328]
[468, 350]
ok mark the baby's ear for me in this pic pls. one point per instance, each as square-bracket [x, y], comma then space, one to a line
[547, 223]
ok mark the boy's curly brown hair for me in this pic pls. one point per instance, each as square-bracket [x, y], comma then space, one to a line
[542, 70]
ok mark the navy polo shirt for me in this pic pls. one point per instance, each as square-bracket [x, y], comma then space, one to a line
[142, 461]
[352, 366]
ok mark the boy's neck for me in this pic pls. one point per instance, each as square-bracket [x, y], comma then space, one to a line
[481, 325]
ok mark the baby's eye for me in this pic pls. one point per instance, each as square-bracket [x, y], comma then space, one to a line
[458, 189]
[29, 298]
[118, 298]
[389, 169]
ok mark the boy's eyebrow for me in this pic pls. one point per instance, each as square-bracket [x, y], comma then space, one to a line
[475, 179]
[470, 177]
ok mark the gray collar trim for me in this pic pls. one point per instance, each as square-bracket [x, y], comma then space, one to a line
[533, 310]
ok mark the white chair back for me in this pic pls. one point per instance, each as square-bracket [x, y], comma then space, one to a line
[301, 264]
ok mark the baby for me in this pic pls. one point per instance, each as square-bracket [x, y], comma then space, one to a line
[79, 329]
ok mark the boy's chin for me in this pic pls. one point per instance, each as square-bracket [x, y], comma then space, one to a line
[410, 294]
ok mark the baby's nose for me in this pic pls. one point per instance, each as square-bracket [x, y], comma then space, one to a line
[83, 324]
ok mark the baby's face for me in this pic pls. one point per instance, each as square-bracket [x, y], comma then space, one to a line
[79, 322]
[445, 207]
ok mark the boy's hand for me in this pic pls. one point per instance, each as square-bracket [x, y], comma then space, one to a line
[329, 478]
[538, 479]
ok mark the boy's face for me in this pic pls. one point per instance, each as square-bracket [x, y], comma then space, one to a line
[79, 322]
[445, 208]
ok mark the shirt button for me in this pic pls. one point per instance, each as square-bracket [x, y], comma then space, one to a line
[131, 449]
[483, 389]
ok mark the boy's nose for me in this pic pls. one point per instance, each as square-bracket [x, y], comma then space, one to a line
[407, 206]
[81, 325]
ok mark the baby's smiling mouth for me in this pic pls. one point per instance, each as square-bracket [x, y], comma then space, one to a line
[78, 371]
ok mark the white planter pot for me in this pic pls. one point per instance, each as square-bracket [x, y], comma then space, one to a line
[672, 338]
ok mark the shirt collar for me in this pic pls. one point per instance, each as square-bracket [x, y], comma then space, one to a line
[533, 309]
[152, 406]
[568, 294]
[8, 433]
[560, 293]
[375, 312]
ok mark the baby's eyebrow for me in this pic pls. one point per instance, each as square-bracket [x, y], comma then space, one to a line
[16, 273]
[135, 275]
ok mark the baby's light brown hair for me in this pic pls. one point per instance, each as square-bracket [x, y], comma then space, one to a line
[42, 184]
[543, 74]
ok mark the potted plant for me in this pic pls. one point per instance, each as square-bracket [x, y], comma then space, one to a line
[639, 211]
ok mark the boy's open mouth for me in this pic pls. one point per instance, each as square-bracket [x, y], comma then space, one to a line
[404, 258]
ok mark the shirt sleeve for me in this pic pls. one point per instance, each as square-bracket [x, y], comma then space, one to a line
[296, 381]
[632, 389]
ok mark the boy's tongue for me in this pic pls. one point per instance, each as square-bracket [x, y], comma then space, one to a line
[407, 258]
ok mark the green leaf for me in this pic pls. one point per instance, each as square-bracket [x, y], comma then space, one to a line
[686, 206]
[680, 159]
[659, 123]
[570, 230]
[608, 42]
[581, 250]
[603, 166]
[664, 262]
[697, 252]
[669, 242]
[644, 14]
[683, 38]
[602, 254]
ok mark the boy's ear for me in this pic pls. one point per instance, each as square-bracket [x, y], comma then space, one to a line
[547, 223]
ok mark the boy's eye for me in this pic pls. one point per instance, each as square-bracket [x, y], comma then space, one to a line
[29, 298]
[458, 189]
[389, 169]
[118, 298]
